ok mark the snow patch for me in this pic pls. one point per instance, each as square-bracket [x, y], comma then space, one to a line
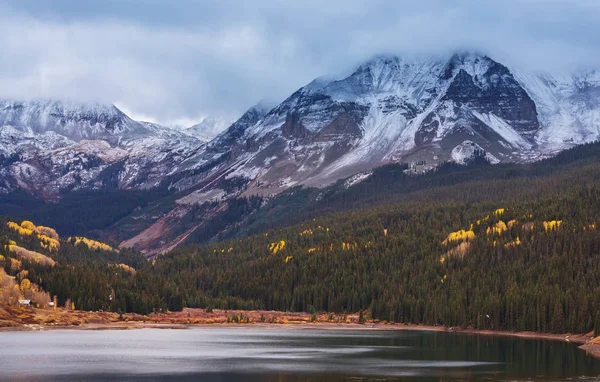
[467, 150]
[503, 129]
[356, 179]
[200, 197]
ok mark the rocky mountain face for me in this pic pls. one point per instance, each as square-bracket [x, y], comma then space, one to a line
[389, 109]
[47, 147]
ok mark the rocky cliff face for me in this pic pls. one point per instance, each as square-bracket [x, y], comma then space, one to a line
[390, 109]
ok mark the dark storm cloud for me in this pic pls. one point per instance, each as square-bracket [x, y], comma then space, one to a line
[173, 60]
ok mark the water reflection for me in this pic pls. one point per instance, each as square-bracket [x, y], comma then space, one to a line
[254, 354]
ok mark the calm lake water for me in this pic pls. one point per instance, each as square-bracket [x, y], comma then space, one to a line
[255, 354]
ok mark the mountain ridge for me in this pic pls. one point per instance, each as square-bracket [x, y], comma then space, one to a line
[389, 110]
[51, 146]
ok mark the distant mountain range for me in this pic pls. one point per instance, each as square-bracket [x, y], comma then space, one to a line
[47, 147]
[388, 110]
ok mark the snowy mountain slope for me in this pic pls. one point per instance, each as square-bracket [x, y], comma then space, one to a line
[71, 120]
[569, 107]
[390, 109]
[49, 146]
[395, 109]
[208, 128]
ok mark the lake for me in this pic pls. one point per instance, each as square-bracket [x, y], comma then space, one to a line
[299, 355]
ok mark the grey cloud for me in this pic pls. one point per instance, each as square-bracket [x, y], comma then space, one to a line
[187, 59]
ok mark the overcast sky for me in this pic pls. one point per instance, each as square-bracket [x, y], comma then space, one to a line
[177, 61]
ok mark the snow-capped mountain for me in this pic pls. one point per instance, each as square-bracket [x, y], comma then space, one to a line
[393, 109]
[49, 146]
[390, 109]
[568, 107]
[208, 128]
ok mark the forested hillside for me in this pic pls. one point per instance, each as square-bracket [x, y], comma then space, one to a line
[37, 264]
[398, 264]
[389, 185]
[513, 247]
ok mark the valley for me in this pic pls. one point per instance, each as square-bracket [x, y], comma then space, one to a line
[311, 191]
[395, 247]
[313, 209]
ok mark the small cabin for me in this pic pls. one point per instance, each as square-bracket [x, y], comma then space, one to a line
[25, 302]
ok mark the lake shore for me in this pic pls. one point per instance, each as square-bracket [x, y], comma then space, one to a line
[31, 319]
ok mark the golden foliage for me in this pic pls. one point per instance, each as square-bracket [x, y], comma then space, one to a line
[20, 230]
[499, 212]
[310, 231]
[31, 255]
[552, 225]
[349, 246]
[277, 247]
[125, 267]
[9, 290]
[457, 236]
[48, 242]
[28, 225]
[93, 244]
[288, 258]
[311, 250]
[513, 243]
[15, 264]
[498, 228]
[48, 237]
[47, 231]
[25, 284]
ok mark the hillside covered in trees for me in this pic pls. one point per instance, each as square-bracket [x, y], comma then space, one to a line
[37, 265]
[512, 247]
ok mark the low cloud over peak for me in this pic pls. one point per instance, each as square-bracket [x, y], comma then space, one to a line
[189, 59]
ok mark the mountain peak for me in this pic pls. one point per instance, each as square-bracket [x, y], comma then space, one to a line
[59, 107]
[76, 120]
[467, 55]
[208, 128]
